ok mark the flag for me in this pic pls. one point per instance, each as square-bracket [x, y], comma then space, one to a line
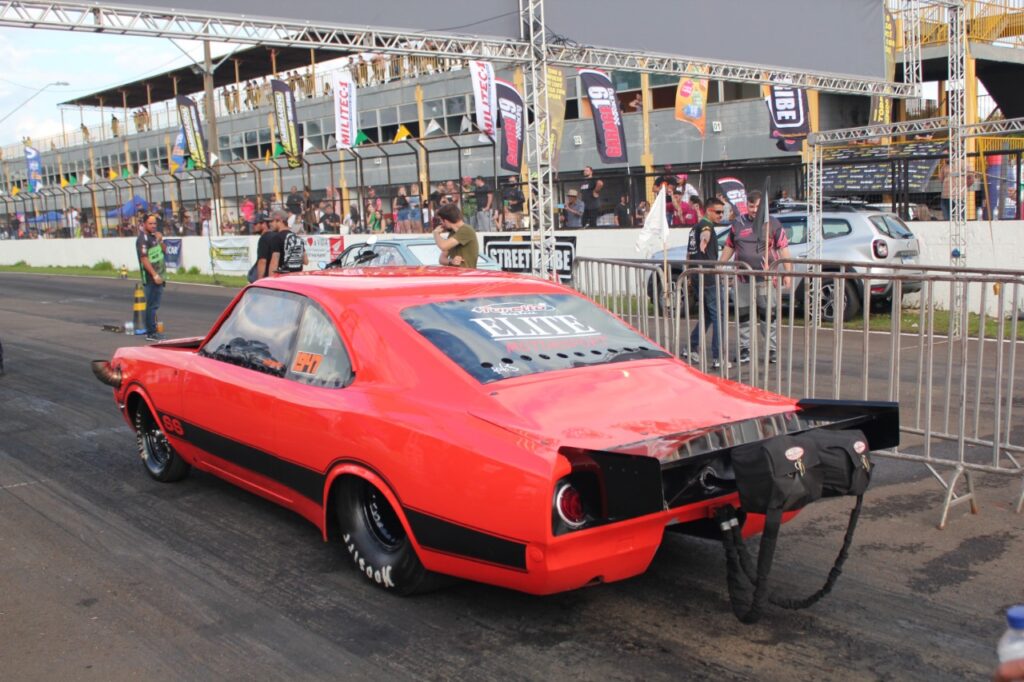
[361, 138]
[402, 134]
[556, 112]
[881, 107]
[345, 123]
[278, 149]
[34, 166]
[735, 193]
[484, 94]
[433, 127]
[15, 191]
[112, 174]
[177, 159]
[72, 180]
[307, 146]
[190, 163]
[611, 136]
[655, 227]
[691, 102]
[85, 179]
[787, 110]
[266, 157]
[64, 182]
[465, 125]
[513, 126]
[126, 172]
[287, 121]
[141, 170]
[195, 143]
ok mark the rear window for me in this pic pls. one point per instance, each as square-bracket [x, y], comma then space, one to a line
[891, 226]
[512, 336]
[796, 228]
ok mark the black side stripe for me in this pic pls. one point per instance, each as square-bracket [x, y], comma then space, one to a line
[304, 481]
[445, 536]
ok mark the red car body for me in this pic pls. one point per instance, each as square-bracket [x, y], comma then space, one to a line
[471, 468]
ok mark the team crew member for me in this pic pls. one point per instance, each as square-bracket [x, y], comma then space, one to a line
[265, 245]
[750, 245]
[288, 250]
[703, 246]
[460, 247]
[150, 249]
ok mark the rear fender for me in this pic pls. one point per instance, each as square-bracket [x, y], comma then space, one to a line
[328, 525]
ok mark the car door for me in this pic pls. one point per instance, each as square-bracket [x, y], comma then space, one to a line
[230, 390]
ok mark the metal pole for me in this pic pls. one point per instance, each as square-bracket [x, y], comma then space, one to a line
[212, 142]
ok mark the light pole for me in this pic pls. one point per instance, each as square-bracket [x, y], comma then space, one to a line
[30, 98]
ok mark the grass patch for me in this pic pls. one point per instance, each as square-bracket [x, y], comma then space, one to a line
[106, 269]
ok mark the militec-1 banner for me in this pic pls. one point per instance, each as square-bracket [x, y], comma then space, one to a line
[287, 121]
[188, 114]
[485, 95]
[513, 126]
[34, 166]
[345, 124]
[735, 193]
[611, 136]
[790, 122]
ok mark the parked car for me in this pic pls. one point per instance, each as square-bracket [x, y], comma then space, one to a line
[488, 426]
[870, 239]
[414, 251]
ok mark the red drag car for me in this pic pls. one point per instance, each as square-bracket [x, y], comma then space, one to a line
[474, 424]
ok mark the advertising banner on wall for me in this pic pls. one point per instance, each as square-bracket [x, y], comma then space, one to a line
[692, 102]
[513, 126]
[611, 136]
[345, 124]
[323, 248]
[172, 252]
[195, 142]
[34, 166]
[484, 95]
[230, 254]
[789, 119]
[286, 121]
[515, 256]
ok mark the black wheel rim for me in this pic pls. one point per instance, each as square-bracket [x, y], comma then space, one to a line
[828, 301]
[380, 519]
[157, 449]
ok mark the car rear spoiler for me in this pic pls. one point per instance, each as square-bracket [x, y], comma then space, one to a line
[673, 471]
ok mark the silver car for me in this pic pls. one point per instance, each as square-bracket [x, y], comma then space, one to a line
[410, 251]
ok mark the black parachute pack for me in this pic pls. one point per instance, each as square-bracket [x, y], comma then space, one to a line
[784, 474]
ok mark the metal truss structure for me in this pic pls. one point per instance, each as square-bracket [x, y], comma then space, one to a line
[913, 73]
[538, 141]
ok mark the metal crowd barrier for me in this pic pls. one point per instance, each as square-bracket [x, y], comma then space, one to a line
[954, 374]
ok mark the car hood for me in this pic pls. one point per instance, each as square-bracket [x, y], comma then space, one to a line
[617, 404]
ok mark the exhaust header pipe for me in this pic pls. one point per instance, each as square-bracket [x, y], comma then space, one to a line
[107, 374]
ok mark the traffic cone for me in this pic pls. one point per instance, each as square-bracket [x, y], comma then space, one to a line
[139, 310]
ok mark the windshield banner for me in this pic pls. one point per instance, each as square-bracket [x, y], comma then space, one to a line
[286, 121]
[188, 115]
[611, 136]
[230, 254]
[513, 124]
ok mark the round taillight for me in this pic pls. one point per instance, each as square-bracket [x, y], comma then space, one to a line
[881, 248]
[569, 505]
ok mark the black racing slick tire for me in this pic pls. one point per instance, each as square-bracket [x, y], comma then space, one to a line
[162, 461]
[376, 540]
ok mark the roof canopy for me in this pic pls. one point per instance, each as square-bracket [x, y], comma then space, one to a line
[253, 62]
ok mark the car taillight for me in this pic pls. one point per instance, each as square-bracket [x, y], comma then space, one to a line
[881, 249]
[569, 506]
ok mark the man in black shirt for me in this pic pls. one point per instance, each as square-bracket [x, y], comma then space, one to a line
[331, 221]
[592, 204]
[703, 246]
[294, 201]
[514, 201]
[623, 216]
[484, 195]
[264, 247]
[288, 251]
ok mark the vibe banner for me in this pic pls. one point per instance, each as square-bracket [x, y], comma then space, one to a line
[735, 193]
[513, 126]
[188, 115]
[691, 102]
[34, 165]
[790, 123]
[345, 128]
[485, 96]
[611, 136]
[287, 122]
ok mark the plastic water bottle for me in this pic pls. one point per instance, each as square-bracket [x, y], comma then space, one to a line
[129, 328]
[1011, 644]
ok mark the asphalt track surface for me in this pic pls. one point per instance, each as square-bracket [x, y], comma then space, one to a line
[108, 575]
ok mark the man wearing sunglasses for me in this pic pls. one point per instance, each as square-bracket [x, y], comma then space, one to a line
[703, 246]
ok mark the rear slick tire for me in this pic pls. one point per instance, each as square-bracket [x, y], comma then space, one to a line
[161, 460]
[376, 540]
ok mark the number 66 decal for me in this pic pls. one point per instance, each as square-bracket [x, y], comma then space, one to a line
[173, 426]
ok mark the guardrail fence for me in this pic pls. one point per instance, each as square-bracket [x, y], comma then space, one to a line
[837, 331]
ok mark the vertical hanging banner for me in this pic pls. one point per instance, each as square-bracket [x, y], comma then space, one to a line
[513, 125]
[188, 115]
[735, 193]
[177, 159]
[691, 102]
[790, 123]
[881, 107]
[556, 112]
[286, 121]
[34, 166]
[345, 110]
[611, 136]
[485, 96]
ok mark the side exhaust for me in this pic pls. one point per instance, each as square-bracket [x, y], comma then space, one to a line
[107, 374]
